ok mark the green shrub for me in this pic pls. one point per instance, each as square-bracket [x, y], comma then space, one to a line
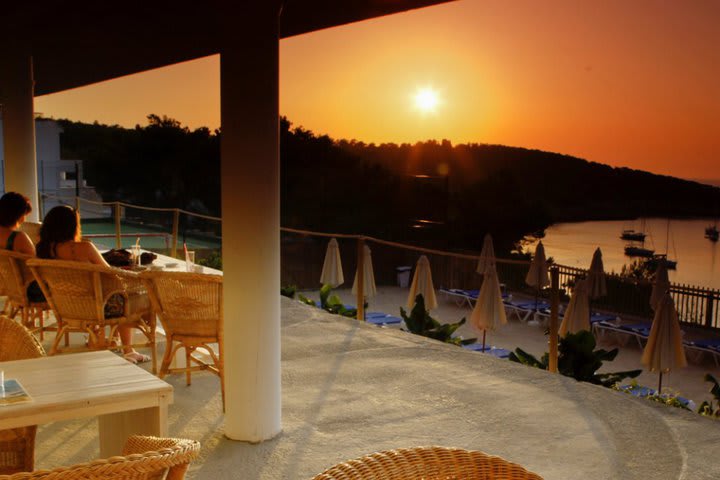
[671, 399]
[330, 303]
[711, 409]
[288, 291]
[214, 260]
[420, 322]
[577, 358]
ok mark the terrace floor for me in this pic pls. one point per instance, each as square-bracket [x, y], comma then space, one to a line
[350, 388]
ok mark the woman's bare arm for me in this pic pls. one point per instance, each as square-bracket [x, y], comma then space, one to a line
[23, 244]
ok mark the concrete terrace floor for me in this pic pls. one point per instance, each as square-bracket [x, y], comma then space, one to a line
[350, 388]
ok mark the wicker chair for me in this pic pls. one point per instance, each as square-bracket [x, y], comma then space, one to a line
[15, 278]
[190, 309]
[17, 445]
[144, 458]
[77, 293]
[427, 463]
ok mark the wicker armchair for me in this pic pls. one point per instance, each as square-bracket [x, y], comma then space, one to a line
[427, 463]
[17, 445]
[190, 309]
[145, 458]
[78, 292]
[15, 278]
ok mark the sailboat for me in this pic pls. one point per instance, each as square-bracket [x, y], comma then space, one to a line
[711, 233]
[637, 251]
[663, 257]
[635, 236]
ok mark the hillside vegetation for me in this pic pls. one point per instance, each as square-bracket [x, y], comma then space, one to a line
[460, 192]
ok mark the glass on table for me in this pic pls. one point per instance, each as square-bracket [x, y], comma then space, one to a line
[190, 261]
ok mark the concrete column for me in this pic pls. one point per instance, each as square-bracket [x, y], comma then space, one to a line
[250, 184]
[16, 97]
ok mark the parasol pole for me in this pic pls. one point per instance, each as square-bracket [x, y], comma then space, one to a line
[360, 299]
[483, 347]
[537, 293]
[660, 384]
[554, 307]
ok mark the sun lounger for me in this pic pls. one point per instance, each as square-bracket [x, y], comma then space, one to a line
[380, 318]
[642, 392]
[524, 308]
[708, 345]
[347, 307]
[640, 331]
[597, 317]
[466, 297]
[494, 351]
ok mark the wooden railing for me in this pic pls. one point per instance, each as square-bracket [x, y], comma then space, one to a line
[695, 305]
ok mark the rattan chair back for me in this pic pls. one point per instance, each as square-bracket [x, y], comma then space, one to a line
[15, 277]
[189, 306]
[16, 342]
[144, 458]
[17, 445]
[427, 463]
[78, 292]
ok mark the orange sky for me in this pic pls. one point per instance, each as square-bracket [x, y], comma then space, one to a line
[633, 84]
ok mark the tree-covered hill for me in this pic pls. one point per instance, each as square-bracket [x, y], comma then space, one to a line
[430, 192]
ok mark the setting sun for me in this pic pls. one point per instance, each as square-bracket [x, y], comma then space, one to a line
[426, 99]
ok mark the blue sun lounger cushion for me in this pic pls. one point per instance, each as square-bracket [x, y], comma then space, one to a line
[380, 318]
[642, 392]
[494, 351]
[464, 296]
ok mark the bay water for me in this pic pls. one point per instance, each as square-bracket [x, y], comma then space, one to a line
[684, 241]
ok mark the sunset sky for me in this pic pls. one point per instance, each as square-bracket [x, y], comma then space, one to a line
[632, 84]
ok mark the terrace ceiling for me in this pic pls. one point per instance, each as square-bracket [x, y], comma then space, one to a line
[76, 43]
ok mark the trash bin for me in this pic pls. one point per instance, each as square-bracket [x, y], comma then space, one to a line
[403, 276]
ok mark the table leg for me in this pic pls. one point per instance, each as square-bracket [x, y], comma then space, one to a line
[115, 428]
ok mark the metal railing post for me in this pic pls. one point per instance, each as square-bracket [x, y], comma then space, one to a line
[709, 304]
[118, 240]
[554, 307]
[175, 228]
[360, 292]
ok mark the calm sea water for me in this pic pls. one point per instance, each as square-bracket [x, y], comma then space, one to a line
[698, 258]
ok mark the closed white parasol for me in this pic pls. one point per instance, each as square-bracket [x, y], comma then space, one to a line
[538, 275]
[596, 283]
[661, 285]
[422, 284]
[664, 349]
[489, 311]
[368, 275]
[577, 315]
[332, 273]
[487, 256]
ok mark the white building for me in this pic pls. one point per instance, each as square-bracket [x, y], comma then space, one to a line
[57, 176]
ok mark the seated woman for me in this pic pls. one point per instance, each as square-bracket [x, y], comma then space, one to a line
[14, 207]
[60, 239]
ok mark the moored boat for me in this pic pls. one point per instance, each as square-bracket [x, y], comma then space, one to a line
[711, 233]
[661, 257]
[634, 251]
[633, 235]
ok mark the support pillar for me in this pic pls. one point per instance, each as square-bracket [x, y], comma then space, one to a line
[250, 186]
[16, 97]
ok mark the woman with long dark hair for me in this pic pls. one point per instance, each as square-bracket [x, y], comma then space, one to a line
[60, 239]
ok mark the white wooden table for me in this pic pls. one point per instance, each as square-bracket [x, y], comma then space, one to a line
[126, 399]
[170, 264]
